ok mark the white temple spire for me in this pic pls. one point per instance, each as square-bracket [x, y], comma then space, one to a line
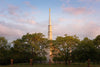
[49, 27]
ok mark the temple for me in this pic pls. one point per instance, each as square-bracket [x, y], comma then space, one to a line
[50, 37]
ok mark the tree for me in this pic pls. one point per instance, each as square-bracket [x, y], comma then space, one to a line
[4, 52]
[3, 42]
[37, 42]
[84, 51]
[63, 46]
[97, 41]
[32, 44]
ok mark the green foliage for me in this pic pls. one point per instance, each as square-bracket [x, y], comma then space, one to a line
[4, 52]
[33, 46]
[84, 51]
[30, 46]
[64, 45]
[3, 42]
[97, 41]
[58, 59]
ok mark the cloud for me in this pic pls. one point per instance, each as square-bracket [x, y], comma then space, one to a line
[70, 20]
[12, 10]
[10, 33]
[27, 2]
[92, 29]
[89, 0]
[77, 26]
[2, 15]
[76, 11]
[81, 6]
[22, 25]
[13, 30]
[2, 11]
[97, 0]
[29, 5]
[67, 1]
[27, 21]
[62, 19]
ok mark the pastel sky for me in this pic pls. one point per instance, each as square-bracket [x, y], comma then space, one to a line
[72, 17]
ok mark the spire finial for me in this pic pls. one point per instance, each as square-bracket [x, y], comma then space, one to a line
[49, 16]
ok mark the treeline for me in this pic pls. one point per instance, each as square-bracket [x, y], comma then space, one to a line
[33, 46]
[72, 49]
[30, 46]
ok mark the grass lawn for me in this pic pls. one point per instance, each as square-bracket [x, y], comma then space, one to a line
[47, 65]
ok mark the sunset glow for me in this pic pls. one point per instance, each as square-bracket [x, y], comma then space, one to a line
[72, 17]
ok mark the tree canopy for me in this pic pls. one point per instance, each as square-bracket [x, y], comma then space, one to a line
[66, 48]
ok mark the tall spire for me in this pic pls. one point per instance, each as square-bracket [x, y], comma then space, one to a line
[49, 27]
[50, 37]
[49, 16]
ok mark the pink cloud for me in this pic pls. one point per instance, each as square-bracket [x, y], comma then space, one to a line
[12, 30]
[62, 19]
[92, 29]
[70, 20]
[27, 2]
[10, 33]
[76, 11]
[97, 0]
[84, 29]
[29, 5]
[20, 19]
[27, 21]
[2, 11]
[2, 15]
[12, 10]
[32, 21]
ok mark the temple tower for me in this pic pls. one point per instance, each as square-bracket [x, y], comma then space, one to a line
[49, 27]
[50, 37]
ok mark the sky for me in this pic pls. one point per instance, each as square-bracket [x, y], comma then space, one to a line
[71, 17]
